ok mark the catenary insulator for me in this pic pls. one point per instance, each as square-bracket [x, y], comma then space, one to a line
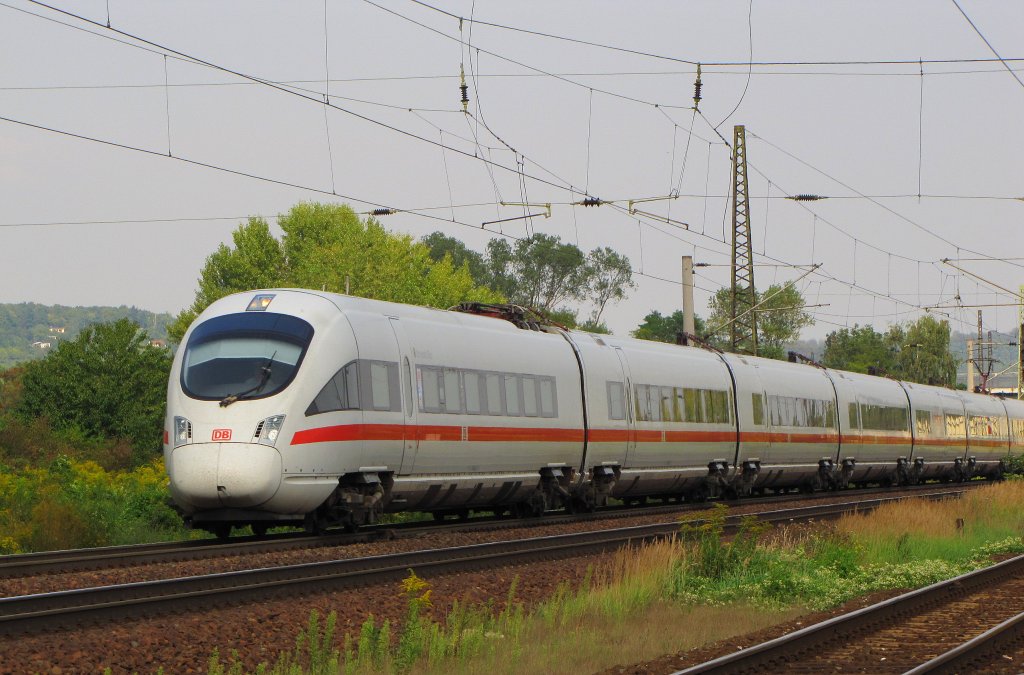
[464, 89]
[383, 212]
[696, 89]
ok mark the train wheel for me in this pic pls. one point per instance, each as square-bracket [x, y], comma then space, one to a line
[222, 531]
[259, 530]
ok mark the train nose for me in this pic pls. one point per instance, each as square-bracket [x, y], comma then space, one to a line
[219, 475]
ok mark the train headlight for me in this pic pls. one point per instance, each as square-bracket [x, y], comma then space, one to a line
[182, 431]
[271, 429]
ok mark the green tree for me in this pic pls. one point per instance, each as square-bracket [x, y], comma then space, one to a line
[610, 278]
[917, 352]
[327, 246]
[107, 382]
[779, 319]
[924, 354]
[860, 349]
[541, 272]
[441, 245]
[665, 328]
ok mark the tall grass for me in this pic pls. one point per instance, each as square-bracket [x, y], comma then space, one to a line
[950, 529]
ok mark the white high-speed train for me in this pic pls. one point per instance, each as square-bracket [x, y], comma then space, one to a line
[300, 407]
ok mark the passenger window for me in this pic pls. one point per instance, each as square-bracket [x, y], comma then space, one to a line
[380, 390]
[340, 393]
[924, 422]
[616, 401]
[408, 388]
[328, 399]
[547, 397]
[854, 422]
[830, 414]
[757, 401]
[666, 404]
[471, 385]
[452, 399]
[694, 410]
[653, 406]
[430, 390]
[677, 405]
[494, 394]
[717, 406]
[529, 396]
[512, 396]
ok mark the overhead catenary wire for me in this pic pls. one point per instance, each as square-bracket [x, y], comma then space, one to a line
[664, 57]
[511, 60]
[988, 44]
[520, 163]
[899, 215]
[296, 82]
[289, 91]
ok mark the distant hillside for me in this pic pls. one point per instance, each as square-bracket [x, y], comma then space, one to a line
[27, 328]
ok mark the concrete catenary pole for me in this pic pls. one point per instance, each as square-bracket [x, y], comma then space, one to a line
[970, 365]
[688, 321]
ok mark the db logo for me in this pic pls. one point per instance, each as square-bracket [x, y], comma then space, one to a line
[222, 434]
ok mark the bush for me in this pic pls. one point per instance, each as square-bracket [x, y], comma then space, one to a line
[76, 504]
[106, 383]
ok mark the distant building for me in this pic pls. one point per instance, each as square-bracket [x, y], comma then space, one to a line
[60, 330]
[158, 343]
[42, 345]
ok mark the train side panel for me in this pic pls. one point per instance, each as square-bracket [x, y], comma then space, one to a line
[683, 415]
[495, 407]
[788, 421]
[1015, 423]
[874, 418]
[988, 440]
[940, 437]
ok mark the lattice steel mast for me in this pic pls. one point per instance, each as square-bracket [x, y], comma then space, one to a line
[743, 327]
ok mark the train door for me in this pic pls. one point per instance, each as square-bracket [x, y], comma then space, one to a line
[410, 439]
[630, 408]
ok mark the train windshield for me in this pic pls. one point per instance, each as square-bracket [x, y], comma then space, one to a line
[244, 356]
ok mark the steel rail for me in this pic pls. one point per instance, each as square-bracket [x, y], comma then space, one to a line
[27, 564]
[972, 655]
[775, 654]
[67, 609]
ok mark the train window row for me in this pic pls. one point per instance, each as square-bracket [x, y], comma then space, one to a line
[360, 385]
[983, 425]
[655, 403]
[955, 425]
[795, 411]
[1017, 426]
[880, 417]
[925, 421]
[473, 392]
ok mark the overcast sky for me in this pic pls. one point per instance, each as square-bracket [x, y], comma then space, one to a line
[86, 223]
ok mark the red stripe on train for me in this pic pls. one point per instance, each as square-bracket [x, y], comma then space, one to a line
[398, 432]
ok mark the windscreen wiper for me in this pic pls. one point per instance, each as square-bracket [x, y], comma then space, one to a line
[264, 378]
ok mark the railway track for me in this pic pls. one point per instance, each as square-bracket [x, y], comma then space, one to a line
[956, 626]
[30, 564]
[69, 609]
